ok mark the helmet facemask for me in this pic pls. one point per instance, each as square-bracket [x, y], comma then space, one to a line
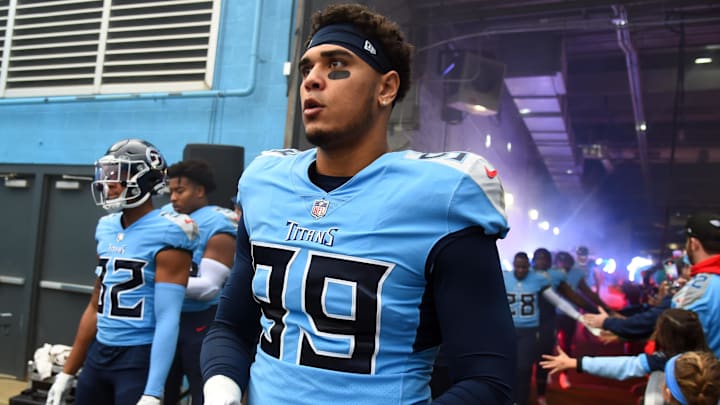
[132, 175]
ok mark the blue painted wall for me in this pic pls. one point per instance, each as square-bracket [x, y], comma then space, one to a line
[78, 132]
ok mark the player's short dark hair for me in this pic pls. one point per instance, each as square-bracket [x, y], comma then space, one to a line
[679, 330]
[522, 255]
[197, 171]
[375, 26]
[543, 251]
[563, 256]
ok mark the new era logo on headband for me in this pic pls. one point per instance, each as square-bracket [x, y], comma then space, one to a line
[349, 37]
[369, 47]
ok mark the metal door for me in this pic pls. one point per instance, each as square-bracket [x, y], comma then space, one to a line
[67, 257]
[18, 229]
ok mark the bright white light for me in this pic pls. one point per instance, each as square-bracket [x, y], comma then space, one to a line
[598, 261]
[610, 266]
[488, 140]
[569, 171]
[524, 111]
[506, 265]
[509, 146]
[556, 230]
[636, 264]
[534, 214]
[479, 108]
[702, 61]
[509, 200]
[643, 127]
[544, 225]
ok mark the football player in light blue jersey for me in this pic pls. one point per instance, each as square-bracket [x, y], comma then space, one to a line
[579, 276]
[524, 291]
[701, 294]
[353, 262]
[126, 338]
[190, 182]
[541, 261]
[587, 266]
[567, 325]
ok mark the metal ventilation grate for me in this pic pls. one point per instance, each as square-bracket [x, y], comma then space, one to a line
[4, 11]
[86, 46]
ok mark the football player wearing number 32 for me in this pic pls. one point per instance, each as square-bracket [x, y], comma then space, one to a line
[353, 262]
[126, 338]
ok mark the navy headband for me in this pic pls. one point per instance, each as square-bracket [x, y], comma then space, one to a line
[671, 381]
[347, 36]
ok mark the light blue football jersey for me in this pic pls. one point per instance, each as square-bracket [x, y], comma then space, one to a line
[589, 270]
[524, 297]
[702, 295]
[574, 275]
[557, 277]
[341, 275]
[211, 220]
[126, 268]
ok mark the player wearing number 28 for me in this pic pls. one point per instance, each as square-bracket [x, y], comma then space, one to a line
[126, 338]
[354, 263]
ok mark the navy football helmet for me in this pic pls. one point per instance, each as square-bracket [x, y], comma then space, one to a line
[134, 164]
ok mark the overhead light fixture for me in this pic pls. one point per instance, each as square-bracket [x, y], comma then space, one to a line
[544, 225]
[525, 111]
[569, 171]
[509, 146]
[533, 214]
[476, 83]
[488, 140]
[556, 230]
[619, 22]
[703, 60]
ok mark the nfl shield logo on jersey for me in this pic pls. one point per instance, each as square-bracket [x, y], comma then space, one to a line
[319, 208]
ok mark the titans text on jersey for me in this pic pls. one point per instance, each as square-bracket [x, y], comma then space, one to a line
[324, 237]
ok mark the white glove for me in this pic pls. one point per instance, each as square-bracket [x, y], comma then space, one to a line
[148, 400]
[62, 384]
[221, 390]
[594, 331]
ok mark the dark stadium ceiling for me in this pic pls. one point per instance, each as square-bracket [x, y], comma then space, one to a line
[644, 117]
